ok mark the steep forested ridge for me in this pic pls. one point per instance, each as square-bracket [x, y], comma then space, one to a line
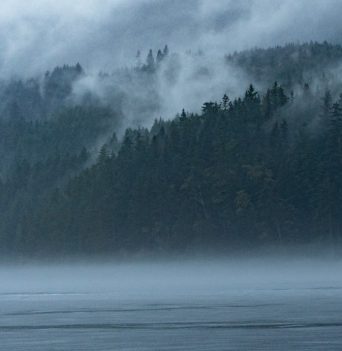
[263, 168]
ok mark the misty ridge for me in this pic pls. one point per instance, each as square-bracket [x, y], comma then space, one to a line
[139, 160]
[197, 131]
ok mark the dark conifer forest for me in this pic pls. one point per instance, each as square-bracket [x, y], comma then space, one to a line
[81, 173]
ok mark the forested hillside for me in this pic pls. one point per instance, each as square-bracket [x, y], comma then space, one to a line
[263, 168]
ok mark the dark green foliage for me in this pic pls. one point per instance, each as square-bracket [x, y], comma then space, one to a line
[222, 178]
[262, 169]
[38, 98]
[67, 132]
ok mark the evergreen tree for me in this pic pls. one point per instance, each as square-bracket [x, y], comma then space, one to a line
[150, 62]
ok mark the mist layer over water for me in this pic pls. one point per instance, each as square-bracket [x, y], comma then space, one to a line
[198, 305]
[170, 278]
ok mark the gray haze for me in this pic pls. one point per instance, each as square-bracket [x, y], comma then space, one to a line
[36, 35]
[177, 277]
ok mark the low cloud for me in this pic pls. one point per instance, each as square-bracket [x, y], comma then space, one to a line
[38, 34]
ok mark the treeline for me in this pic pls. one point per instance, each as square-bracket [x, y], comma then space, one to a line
[68, 132]
[236, 175]
[39, 97]
[292, 64]
[262, 169]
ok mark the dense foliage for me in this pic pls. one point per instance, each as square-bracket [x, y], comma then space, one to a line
[261, 169]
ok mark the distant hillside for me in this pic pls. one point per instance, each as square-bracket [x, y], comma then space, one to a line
[260, 169]
[291, 64]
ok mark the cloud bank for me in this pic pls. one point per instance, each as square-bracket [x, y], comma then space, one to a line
[36, 35]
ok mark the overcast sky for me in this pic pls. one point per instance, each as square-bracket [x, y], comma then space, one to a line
[38, 34]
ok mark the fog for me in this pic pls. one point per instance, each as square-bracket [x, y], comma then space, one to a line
[182, 81]
[169, 279]
[36, 35]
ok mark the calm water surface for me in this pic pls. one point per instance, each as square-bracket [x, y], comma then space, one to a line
[171, 307]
